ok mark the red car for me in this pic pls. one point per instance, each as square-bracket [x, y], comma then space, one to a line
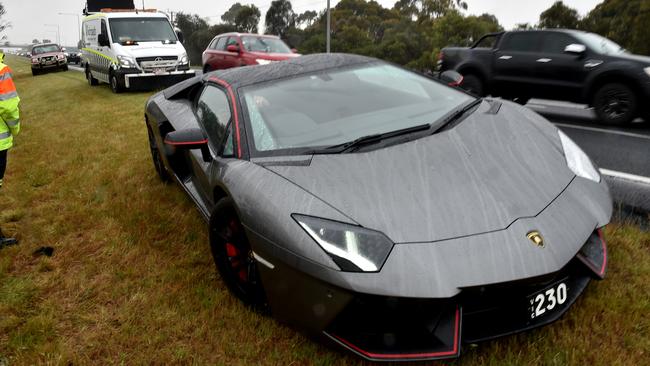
[240, 49]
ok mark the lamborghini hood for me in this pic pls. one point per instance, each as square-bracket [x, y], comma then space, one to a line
[478, 177]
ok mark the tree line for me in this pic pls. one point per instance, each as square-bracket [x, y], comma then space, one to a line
[412, 32]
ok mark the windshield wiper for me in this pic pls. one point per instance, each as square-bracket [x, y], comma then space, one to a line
[455, 115]
[368, 140]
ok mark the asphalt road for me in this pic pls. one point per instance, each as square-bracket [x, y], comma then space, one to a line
[622, 153]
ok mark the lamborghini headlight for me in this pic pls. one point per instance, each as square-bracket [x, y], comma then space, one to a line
[126, 62]
[352, 248]
[577, 160]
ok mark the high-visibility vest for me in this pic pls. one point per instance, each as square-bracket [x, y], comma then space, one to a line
[9, 113]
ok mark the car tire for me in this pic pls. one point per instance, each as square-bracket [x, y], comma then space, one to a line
[521, 100]
[233, 255]
[89, 77]
[157, 160]
[473, 84]
[615, 104]
[115, 84]
[35, 72]
[64, 68]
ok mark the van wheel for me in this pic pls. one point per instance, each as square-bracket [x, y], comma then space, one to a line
[115, 85]
[473, 84]
[89, 77]
[615, 104]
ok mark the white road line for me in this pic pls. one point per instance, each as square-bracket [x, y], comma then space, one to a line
[626, 176]
[613, 132]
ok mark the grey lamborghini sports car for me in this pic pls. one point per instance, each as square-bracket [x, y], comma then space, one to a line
[380, 209]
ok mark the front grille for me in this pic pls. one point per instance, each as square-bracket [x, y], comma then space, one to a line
[388, 328]
[497, 310]
[162, 58]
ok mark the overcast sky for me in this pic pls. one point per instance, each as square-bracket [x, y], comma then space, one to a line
[29, 17]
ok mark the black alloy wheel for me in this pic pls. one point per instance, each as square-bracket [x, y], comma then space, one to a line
[155, 157]
[234, 257]
[615, 104]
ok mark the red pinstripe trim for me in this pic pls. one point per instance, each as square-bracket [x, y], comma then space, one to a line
[408, 355]
[602, 240]
[186, 143]
[234, 109]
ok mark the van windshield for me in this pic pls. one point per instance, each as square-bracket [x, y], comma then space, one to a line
[142, 30]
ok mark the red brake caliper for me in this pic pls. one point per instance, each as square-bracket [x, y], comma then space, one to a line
[235, 256]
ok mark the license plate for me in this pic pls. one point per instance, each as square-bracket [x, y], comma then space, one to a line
[548, 300]
[159, 71]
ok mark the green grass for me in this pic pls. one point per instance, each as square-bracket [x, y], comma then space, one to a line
[132, 280]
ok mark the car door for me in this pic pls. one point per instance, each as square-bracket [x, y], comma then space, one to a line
[514, 64]
[561, 74]
[216, 52]
[213, 112]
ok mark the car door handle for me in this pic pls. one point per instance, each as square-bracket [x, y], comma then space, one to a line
[544, 60]
[505, 57]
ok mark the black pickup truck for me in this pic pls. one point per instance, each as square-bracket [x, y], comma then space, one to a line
[566, 65]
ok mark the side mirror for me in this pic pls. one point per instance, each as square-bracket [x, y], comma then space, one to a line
[62, 49]
[102, 39]
[451, 78]
[232, 48]
[576, 49]
[189, 139]
[180, 36]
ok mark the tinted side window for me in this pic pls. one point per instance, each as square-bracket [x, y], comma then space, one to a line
[487, 42]
[556, 42]
[232, 41]
[213, 111]
[221, 44]
[521, 42]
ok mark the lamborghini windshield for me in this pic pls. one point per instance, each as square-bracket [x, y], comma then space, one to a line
[338, 106]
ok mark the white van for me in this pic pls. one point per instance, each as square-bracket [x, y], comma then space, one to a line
[133, 50]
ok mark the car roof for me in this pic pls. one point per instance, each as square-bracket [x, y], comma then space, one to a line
[125, 15]
[250, 75]
[45, 44]
[238, 34]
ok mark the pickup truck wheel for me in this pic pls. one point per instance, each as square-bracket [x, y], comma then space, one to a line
[521, 100]
[472, 84]
[615, 104]
[35, 72]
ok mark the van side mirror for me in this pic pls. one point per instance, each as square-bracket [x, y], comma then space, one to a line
[451, 78]
[576, 49]
[189, 139]
[102, 39]
[180, 36]
[232, 48]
